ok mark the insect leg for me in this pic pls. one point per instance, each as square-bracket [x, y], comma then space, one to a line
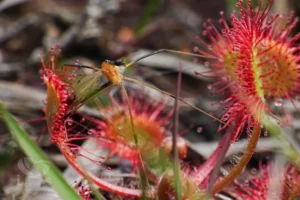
[171, 95]
[165, 50]
[80, 66]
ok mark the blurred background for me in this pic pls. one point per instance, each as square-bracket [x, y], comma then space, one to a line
[92, 31]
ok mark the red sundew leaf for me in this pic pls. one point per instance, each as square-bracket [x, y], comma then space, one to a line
[58, 97]
[256, 60]
[59, 102]
[256, 184]
[149, 120]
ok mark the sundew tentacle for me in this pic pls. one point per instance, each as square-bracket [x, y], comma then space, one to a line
[255, 185]
[57, 98]
[99, 182]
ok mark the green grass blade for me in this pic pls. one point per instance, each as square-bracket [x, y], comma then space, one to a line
[147, 15]
[38, 158]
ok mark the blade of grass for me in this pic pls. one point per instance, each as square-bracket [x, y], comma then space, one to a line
[147, 15]
[176, 166]
[38, 158]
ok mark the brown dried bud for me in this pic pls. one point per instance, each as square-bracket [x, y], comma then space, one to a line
[181, 146]
[166, 190]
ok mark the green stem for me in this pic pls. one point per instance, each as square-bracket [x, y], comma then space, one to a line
[286, 145]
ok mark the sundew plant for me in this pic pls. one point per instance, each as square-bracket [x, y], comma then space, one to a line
[253, 59]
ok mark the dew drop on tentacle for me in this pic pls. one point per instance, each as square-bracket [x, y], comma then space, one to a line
[199, 129]
[196, 60]
[69, 121]
[278, 102]
[253, 171]
[77, 134]
[91, 131]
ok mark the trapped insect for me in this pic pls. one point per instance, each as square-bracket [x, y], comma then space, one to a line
[112, 71]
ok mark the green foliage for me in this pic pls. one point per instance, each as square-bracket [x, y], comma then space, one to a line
[147, 15]
[231, 4]
[38, 158]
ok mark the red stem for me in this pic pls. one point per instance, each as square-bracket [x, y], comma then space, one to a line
[237, 169]
[202, 173]
[99, 182]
